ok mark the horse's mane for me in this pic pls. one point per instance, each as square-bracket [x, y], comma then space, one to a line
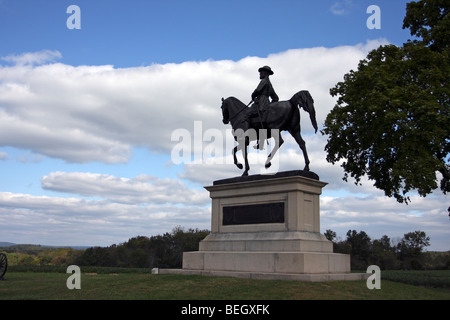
[235, 100]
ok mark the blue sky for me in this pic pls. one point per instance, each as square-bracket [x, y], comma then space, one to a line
[88, 116]
[136, 32]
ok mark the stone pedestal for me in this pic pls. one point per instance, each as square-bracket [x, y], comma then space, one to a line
[268, 227]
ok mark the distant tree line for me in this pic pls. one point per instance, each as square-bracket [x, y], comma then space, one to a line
[407, 253]
[37, 255]
[161, 251]
[166, 251]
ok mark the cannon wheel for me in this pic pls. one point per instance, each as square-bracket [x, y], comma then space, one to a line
[3, 265]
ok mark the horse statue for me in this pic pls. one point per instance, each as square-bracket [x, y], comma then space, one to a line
[282, 116]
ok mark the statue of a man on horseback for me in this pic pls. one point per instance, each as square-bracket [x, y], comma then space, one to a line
[260, 97]
[270, 115]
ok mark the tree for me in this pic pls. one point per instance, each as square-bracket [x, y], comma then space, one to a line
[413, 243]
[430, 21]
[411, 247]
[382, 253]
[391, 118]
[360, 244]
[330, 234]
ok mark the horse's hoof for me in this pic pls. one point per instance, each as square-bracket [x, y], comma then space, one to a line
[268, 165]
[240, 166]
[258, 146]
[245, 174]
[306, 168]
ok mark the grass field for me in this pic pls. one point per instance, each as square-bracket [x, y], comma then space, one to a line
[145, 286]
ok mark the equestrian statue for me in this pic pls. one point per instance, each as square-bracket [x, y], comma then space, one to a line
[270, 115]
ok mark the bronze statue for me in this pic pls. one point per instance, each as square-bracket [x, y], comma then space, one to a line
[280, 115]
[260, 97]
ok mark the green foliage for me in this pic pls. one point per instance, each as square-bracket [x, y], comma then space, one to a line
[330, 234]
[359, 243]
[36, 255]
[430, 21]
[406, 254]
[161, 251]
[391, 118]
[166, 251]
[90, 270]
[435, 279]
[411, 247]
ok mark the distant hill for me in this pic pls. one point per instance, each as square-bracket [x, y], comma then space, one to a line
[6, 244]
[9, 244]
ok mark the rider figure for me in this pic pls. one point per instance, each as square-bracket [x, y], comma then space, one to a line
[261, 96]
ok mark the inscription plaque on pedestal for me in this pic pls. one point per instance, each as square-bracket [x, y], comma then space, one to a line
[254, 214]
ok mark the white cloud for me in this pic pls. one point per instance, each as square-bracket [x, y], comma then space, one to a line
[141, 189]
[74, 221]
[99, 113]
[378, 215]
[341, 8]
[31, 58]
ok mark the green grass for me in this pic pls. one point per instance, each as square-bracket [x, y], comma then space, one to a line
[145, 286]
[429, 278]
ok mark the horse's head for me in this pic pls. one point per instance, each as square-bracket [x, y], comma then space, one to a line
[225, 113]
[233, 111]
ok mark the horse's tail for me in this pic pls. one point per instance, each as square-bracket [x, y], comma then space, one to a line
[304, 100]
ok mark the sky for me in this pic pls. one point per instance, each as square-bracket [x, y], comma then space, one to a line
[110, 119]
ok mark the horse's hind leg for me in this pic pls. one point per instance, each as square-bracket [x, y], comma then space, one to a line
[301, 143]
[278, 142]
[242, 145]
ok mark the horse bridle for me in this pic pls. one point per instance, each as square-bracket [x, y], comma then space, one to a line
[229, 119]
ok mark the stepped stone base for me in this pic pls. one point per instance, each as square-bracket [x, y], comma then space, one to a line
[267, 227]
[266, 262]
[267, 241]
[271, 275]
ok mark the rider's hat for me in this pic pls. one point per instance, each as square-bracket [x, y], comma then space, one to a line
[266, 68]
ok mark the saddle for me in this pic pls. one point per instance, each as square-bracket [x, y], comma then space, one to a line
[257, 118]
[255, 122]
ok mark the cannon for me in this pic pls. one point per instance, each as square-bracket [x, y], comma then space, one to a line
[3, 265]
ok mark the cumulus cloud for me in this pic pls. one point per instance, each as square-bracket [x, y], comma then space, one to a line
[141, 189]
[75, 221]
[99, 113]
[379, 215]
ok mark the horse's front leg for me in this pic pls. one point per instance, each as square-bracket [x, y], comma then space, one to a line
[244, 144]
[236, 162]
